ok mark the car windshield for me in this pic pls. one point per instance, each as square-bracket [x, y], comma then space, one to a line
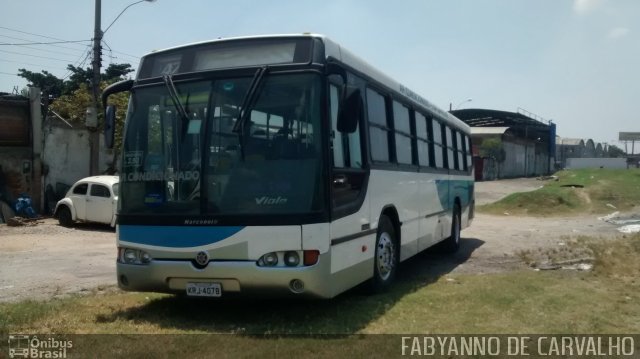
[200, 165]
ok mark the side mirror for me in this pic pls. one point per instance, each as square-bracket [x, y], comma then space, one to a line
[110, 111]
[117, 87]
[109, 126]
[335, 69]
[351, 110]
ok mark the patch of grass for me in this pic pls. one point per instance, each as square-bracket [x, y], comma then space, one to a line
[27, 312]
[606, 300]
[418, 303]
[519, 302]
[575, 192]
[618, 259]
[570, 249]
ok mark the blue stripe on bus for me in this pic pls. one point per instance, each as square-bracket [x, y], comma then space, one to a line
[175, 236]
[449, 189]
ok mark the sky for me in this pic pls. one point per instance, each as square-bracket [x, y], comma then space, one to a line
[575, 62]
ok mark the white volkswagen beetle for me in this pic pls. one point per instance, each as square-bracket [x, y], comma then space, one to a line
[92, 199]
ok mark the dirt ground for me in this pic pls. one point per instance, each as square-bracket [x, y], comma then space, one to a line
[47, 260]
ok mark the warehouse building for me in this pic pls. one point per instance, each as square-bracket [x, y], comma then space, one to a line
[509, 144]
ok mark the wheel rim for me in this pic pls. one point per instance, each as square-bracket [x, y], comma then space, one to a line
[386, 256]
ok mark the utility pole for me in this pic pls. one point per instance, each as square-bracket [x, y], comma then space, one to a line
[92, 112]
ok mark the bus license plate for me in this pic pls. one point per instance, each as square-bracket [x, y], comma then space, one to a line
[204, 289]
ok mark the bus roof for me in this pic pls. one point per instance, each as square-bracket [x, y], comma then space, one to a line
[337, 52]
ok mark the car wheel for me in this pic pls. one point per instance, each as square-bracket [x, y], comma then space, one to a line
[452, 244]
[64, 216]
[386, 256]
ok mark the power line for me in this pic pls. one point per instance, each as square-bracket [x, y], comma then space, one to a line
[79, 64]
[125, 54]
[22, 39]
[45, 50]
[119, 52]
[44, 43]
[32, 34]
[58, 39]
[42, 57]
[30, 64]
[6, 73]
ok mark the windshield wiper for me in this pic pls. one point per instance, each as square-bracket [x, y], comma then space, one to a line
[173, 93]
[249, 98]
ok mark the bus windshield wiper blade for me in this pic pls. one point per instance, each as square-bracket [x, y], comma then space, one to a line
[173, 93]
[249, 98]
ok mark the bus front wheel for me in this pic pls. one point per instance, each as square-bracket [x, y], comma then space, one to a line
[386, 256]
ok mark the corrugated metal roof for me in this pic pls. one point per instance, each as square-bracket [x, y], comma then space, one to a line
[488, 130]
[569, 141]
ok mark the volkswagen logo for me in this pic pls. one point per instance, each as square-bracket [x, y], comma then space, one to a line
[202, 258]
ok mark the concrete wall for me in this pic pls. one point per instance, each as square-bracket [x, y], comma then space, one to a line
[66, 155]
[613, 163]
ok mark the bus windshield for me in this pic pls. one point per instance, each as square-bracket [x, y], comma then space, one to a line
[198, 165]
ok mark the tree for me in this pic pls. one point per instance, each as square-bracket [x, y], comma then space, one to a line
[73, 105]
[47, 82]
[55, 87]
[71, 97]
[79, 76]
[116, 72]
[615, 151]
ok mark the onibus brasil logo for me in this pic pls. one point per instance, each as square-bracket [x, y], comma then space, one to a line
[30, 346]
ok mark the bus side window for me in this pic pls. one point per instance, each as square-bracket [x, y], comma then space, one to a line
[438, 145]
[422, 135]
[337, 142]
[348, 176]
[449, 149]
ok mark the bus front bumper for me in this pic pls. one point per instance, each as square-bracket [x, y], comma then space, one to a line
[172, 276]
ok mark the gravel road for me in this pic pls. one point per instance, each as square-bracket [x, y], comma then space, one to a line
[47, 260]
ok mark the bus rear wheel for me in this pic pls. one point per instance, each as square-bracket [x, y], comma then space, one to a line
[452, 244]
[386, 256]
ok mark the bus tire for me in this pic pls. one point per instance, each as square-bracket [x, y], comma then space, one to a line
[452, 244]
[64, 217]
[385, 261]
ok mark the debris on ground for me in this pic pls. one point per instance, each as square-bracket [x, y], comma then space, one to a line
[630, 224]
[630, 228]
[547, 178]
[19, 221]
[579, 264]
[609, 217]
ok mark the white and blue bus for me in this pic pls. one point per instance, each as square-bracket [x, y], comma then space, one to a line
[281, 164]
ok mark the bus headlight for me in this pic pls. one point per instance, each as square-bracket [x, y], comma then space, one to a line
[145, 257]
[133, 256]
[291, 259]
[270, 259]
[130, 256]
